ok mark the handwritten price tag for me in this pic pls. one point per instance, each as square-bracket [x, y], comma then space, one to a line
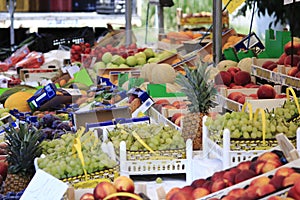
[233, 5]
[44, 186]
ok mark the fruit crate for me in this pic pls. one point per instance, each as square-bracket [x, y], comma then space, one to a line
[221, 193]
[258, 71]
[256, 103]
[230, 157]
[157, 166]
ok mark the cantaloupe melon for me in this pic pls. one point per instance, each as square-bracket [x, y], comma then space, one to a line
[18, 101]
[163, 73]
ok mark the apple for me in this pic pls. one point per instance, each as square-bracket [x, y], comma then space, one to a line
[124, 184]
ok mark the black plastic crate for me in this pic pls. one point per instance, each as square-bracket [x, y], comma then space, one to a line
[83, 5]
[110, 6]
[52, 38]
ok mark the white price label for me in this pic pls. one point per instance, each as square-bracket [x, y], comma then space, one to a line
[289, 1]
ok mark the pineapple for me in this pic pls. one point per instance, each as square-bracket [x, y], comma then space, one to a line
[200, 92]
[23, 147]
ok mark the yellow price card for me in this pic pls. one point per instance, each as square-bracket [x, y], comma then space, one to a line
[233, 4]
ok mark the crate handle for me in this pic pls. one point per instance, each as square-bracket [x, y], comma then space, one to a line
[291, 90]
[263, 117]
[249, 105]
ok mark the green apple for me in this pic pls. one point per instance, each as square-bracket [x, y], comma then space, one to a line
[99, 65]
[140, 54]
[111, 65]
[149, 52]
[153, 60]
[123, 66]
[118, 60]
[131, 61]
[106, 57]
[141, 61]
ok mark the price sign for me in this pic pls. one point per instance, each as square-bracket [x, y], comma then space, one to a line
[44, 186]
[289, 1]
[233, 4]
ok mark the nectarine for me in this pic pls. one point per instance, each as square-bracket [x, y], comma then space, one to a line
[223, 77]
[284, 171]
[291, 179]
[124, 184]
[200, 192]
[277, 181]
[87, 196]
[265, 189]
[266, 91]
[198, 182]
[104, 189]
[244, 175]
[171, 192]
[242, 78]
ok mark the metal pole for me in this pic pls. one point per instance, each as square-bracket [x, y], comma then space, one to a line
[128, 25]
[11, 10]
[217, 30]
[160, 14]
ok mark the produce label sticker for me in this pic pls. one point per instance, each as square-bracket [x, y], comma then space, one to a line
[289, 1]
[44, 186]
[233, 4]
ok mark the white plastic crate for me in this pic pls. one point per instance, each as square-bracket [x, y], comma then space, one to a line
[243, 184]
[229, 157]
[163, 166]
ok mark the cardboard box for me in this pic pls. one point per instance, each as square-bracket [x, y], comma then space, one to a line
[84, 117]
[30, 75]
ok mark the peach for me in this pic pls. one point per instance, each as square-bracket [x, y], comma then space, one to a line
[175, 116]
[232, 85]
[242, 78]
[251, 85]
[200, 192]
[124, 184]
[244, 165]
[179, 104]
[280, 96]
[268, 156]
[265, 189]
[281, 59]
[178, 120]
[235, 95]
[254, 96]
[236, 192]
[168, 106]
[291, 179]
[180, 196]
[270, 165]
[272, 67]
[277, 181]
[275, 198]
[250, 193]
[293, 193]
[266, 91]
[104, 189]
[297, 186]
[289, 62]
[187, 190]
[207, 185]
[223, 77]
[229, 197]
[257, 166]
[284, 171]
[242, 99]
[233, 70]
[218, 185]
[297, 75]
[229, 177]
[260, 181]
[235, 170]
[244, 175]
[289, 50]
[171, 192]
[217, 175]
[237, 87]
[293, 71]
[163, 102]
[87, 196]
[198, 182]
[267, 63]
